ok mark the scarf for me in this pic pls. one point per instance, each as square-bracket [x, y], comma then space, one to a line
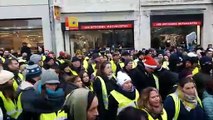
[52, 94]
[189, 101]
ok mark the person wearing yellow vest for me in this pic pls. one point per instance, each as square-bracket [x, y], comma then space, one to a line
[150, 102]
[9, 102]
[12, 65]
[86, 80]
[49, 87]
[184, 103]
[96, 59]
[123, 96]
[103, 85]
[115, 62]
[191, 63]
[75, 66]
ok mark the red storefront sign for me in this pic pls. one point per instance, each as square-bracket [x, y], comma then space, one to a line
[106, 26]
[168, 24]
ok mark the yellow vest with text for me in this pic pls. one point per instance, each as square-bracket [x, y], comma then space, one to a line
[61, 115]
[163, 116]
[123, 101]
[13, 109]
[177, 104]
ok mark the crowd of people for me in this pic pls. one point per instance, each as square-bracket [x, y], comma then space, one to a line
[147, 84]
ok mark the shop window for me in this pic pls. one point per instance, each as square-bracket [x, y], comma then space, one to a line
[14, 32]
[162, 37]
[94, 39]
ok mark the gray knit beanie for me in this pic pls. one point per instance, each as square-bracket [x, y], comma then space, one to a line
[49, 76]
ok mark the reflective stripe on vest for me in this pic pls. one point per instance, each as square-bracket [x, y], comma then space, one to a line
[61, 61]
[43, 57]
[114, 66]
[163, 116]
[13, 109]
[123, 101]
[177, 104]
[3, 59]
[104, 93]
[85, 63]
[156, 81]
[61, 115]
[73, 72]
[15, 85]
[121, 64]
[93, 67]
[21, 76]
[195, 71]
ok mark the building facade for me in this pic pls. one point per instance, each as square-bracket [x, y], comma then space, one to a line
[25, 21]
[182, 22]
[135, 23]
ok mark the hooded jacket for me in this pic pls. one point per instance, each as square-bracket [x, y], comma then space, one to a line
[76, 104]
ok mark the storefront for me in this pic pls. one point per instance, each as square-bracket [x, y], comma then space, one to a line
[14, 32]
[93, 35]
[27, 21]
[176, 30]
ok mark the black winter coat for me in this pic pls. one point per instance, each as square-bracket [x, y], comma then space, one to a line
[110, 85]
[142, 79]
[167, 80]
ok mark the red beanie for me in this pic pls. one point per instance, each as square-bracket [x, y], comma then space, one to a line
[150, 62]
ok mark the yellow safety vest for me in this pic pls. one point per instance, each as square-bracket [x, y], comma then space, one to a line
[165, 65]
[91, 87]
[61, 115]
[3, 59]
[156, 81]
[15, 85]
[123, 101]
[73, 72]
[163, 116]
[195, 71]
[14, 109]
[61, 61]
[114, 66]
[21, 76]
[121, 64]
[43, 57]
[104, 93]
[177, 104]
[134, 64]
[93, 67]
[85, 63]
[20, 79]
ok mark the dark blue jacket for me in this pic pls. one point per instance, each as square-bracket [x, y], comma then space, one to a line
[194, 114]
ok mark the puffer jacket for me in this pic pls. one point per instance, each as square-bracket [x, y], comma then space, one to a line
[208, 104]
